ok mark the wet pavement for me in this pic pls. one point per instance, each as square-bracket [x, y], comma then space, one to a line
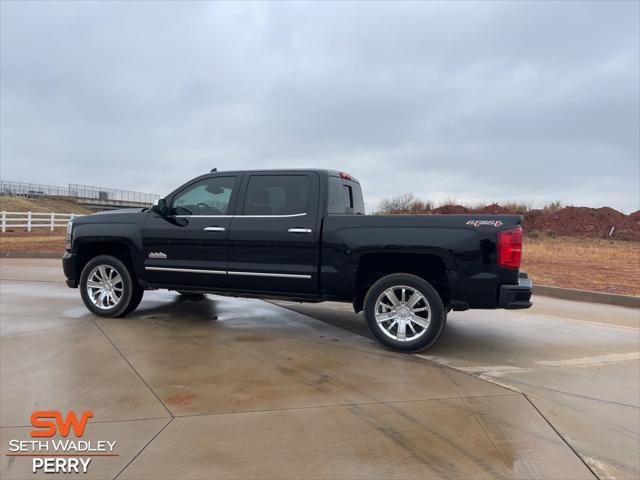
[237, 388]
[578, 363]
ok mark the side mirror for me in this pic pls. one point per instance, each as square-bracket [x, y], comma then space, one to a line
[160, 207]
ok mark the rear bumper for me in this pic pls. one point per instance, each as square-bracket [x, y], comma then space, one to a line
[516, 296]
[69, 268]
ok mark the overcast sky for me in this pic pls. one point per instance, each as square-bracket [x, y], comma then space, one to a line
[475, 101]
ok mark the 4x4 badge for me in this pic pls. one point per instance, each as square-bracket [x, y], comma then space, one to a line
[493, 223]
[157, 255]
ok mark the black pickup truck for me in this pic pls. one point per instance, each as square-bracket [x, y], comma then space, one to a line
[300, 235]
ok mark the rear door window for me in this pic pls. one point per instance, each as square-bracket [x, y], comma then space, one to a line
[277, 195]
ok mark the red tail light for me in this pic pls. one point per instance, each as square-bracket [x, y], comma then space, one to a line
[345, 175]
[509, 248]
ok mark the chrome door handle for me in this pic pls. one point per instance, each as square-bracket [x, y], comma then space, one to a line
[214, 229]
[299, 230]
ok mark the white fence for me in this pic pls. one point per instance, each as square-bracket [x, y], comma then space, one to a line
[31, 220]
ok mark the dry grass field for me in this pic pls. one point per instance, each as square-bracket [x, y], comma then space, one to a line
[47, 242]
[587, 264]
[42, 205]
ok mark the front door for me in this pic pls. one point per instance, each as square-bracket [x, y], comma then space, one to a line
[189, 246]
[273, 244]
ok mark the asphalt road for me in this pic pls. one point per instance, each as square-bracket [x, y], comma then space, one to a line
[234, 388]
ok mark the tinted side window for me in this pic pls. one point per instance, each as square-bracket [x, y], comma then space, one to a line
[358, 201]
[277, 195]
[345, 197]
[210, 196]
[348, 196]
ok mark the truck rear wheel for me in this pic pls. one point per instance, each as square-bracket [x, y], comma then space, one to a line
[404, 312]
[107, 287]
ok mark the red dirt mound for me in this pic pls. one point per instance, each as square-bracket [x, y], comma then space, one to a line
[493, 209]
[450, 209]
[567, 221]
[583, 222]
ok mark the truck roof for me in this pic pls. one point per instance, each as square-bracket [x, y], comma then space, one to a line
[325, 171]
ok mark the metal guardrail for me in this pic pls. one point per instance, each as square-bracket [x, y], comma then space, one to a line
[31, 220]
[81, 193]
[31, 190]
[110, 194]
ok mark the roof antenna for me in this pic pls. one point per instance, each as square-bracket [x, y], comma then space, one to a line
[213, 170]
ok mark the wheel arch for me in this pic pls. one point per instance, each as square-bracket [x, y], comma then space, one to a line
[373, 266]
[86, 249]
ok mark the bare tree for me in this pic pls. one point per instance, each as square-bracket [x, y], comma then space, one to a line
[402, 203]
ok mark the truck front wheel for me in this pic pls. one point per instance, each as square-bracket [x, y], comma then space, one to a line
[404, 312]
[107, 287]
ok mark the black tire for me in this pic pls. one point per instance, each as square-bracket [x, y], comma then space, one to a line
[129, 287]
[137, 298]
[431, 299]
[190, 295]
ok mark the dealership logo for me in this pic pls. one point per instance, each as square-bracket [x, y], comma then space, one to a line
[49, 428]
[66, 455]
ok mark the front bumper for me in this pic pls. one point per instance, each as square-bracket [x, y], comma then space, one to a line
[516, 296]
[69, 268]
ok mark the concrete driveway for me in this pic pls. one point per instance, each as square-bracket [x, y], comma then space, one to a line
[577, 363]
[234, 388]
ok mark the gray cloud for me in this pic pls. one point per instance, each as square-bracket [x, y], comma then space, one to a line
[478, 101]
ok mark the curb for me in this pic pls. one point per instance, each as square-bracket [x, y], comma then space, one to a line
[542, 290]
[587, 296]
[31, 255]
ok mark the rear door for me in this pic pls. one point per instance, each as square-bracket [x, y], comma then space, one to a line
[189, 246]
[274, 238]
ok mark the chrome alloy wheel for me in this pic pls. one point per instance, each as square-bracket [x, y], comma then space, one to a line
[403, 313]
[105, 286]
